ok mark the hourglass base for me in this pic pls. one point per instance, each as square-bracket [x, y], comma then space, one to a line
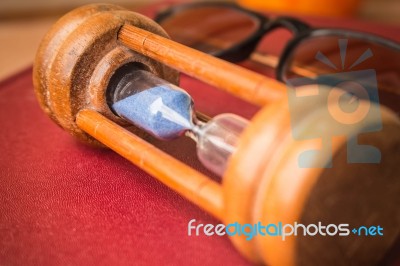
[265, 183]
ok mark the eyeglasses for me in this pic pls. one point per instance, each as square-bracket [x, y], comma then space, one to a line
[232, 33]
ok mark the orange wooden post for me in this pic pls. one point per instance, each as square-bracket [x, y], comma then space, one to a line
[243, 83]
[188, 182]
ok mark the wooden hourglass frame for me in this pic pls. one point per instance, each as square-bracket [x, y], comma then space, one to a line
[263, 182]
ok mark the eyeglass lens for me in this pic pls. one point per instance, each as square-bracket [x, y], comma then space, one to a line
[331, 59]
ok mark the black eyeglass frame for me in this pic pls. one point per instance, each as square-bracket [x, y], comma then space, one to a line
[300, 30]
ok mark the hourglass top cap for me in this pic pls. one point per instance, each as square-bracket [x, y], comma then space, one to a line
[77, 58]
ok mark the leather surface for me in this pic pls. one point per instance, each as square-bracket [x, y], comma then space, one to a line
[63, 203]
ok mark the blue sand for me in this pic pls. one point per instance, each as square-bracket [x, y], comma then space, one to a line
[162, 111]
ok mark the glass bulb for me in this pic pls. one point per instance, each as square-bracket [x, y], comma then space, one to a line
[217, 140]
[166, 111]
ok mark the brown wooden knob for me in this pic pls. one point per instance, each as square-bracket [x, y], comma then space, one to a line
[79, 55]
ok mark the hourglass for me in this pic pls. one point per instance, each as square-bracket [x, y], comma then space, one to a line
[101, 69]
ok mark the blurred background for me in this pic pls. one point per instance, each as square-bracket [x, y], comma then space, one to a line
[23, 23]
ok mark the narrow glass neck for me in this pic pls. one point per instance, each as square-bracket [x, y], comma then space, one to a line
[217, 140]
